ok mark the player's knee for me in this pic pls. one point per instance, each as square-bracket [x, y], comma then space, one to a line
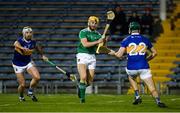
[153, 91]
[22, 85]
[37, 78]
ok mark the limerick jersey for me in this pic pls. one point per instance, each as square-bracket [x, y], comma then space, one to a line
[23, 60]
[136, 46]
[91, 37]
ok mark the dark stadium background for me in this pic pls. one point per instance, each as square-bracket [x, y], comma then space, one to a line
[56, 24]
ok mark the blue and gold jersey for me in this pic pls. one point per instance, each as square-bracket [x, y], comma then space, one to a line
[136, 46]
[20, 58]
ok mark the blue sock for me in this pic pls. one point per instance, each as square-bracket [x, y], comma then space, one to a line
[30, 91]
[136, 93]
[157, 99]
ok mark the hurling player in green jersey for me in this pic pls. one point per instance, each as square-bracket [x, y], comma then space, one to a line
[86, 60]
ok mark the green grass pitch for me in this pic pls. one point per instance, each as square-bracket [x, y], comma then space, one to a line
[94, 103]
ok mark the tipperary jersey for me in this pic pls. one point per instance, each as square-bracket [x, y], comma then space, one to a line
[136, 46]
[91, 37]
[20, 59]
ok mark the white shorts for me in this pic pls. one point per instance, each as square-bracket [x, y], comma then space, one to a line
[21, 69]
[144, 73]
[87, 59]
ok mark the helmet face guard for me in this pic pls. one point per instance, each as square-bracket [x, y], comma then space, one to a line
[93, 22]
[134, 26]
[26, 29]
[27, 32]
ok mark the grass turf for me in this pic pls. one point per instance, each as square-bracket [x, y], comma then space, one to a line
[94, 103]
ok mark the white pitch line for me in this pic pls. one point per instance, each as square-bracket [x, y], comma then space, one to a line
[120, 101]
[5, 105]
[174, 99]
[107, 95]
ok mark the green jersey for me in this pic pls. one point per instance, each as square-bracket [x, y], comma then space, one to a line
[91, 37]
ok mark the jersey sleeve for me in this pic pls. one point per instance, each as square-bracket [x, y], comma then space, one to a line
[82, 34]
[124, 43]
[99, 35]
[20, 40]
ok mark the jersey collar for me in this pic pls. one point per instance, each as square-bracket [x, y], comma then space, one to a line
[25, 40]
[90, 30]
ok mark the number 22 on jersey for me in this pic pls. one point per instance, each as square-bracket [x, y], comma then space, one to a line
[134, 49]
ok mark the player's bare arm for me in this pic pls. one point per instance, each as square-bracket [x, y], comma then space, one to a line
[40, 51]
[112, 52]
[120, 52]
[18, 45]
[86, 43]
[22, 50]
[153, 54]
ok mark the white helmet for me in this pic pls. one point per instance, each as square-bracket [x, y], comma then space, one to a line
[25, 29]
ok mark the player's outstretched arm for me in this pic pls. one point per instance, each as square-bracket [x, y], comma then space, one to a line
[120, 52]
[112, 52]
[40, 51]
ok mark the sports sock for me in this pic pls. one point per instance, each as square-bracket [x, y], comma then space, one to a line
[21, 94]
[136, 93]
[30, 91]
[82, 87]
[157, 99]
